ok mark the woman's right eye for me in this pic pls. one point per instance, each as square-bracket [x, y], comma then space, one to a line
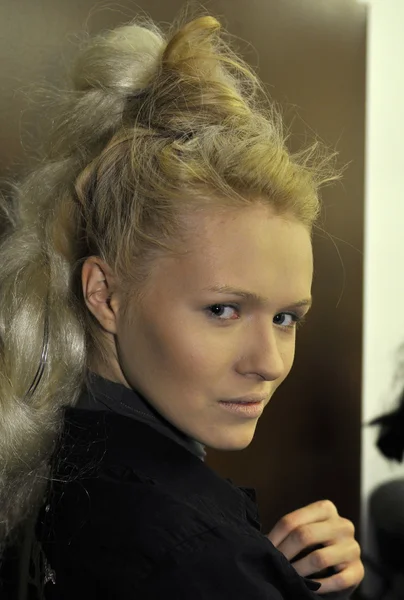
[223, 312]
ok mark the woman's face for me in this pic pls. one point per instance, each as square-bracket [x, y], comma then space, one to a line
[218, 323]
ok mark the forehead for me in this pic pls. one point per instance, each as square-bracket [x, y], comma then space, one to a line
[249, 248]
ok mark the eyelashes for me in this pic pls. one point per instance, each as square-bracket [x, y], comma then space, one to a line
[232, 312]
[218, 311]
[295, 320]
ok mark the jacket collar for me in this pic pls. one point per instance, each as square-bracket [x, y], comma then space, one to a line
[101, 394]
[95, 440]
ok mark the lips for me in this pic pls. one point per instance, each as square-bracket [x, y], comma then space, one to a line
[242, 401]
[253, 399]
[245, 408]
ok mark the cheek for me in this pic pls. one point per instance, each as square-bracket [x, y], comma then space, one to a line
[289, 358]
[196, 353]
[180, 347]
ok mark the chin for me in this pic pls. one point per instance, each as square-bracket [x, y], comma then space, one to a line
[231, 442]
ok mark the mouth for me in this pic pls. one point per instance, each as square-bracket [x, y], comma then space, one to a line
[247, 407]
[253, 399]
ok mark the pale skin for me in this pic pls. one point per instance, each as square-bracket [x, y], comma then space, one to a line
[320, 524]
[218, 322]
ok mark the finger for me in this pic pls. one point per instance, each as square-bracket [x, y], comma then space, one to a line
[350, 577]
[347, 553]
[324, 533]
[318, 511]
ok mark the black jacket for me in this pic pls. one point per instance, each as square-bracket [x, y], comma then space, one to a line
[133, 513]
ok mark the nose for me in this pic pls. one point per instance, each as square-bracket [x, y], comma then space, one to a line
[261, 356]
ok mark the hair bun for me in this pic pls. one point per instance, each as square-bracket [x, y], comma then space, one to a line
[122, 60]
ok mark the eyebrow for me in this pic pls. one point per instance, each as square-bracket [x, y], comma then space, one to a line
[225, 289]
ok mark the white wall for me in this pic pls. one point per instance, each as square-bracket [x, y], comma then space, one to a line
[384, 231]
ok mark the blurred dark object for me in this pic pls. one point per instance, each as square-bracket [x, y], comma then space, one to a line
[391, 438]
[386, 508]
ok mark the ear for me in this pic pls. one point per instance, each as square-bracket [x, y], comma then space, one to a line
[99, 292]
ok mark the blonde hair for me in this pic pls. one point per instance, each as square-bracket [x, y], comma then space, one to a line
[155, 124]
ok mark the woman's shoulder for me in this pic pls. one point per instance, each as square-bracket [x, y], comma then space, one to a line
[114, 474]
[122, 487]
[95, 442]
[125, 533]
[120, 508]
[149, 517]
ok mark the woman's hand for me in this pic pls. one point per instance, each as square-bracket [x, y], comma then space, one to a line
[319, 524]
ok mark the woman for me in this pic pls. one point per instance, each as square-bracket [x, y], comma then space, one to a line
[157, 267]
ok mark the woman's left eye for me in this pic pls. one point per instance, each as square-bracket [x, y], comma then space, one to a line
[286, 319]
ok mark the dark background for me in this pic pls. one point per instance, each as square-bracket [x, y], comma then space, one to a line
[311, 53]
